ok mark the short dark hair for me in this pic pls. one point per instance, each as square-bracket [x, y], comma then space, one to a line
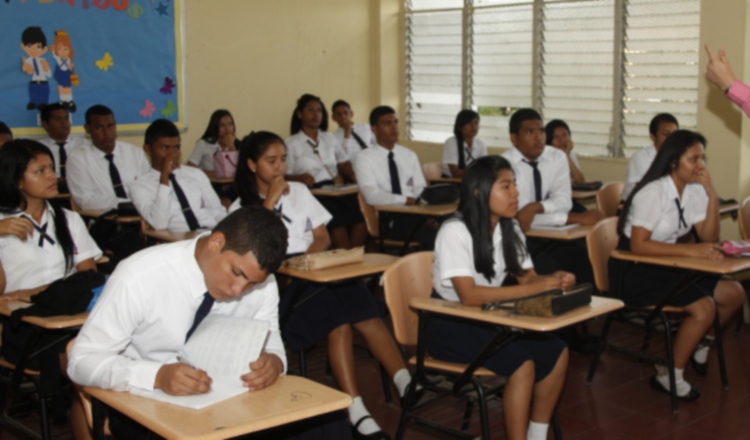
[4, 129]
[257, 230]
[48, 109]
[521, 115]
[160, 128]
[656, 121]
[338, 103]
[33, 34]
[553, 125]
[379, 111]
[98, 110]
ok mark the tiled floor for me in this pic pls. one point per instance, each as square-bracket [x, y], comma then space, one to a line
[619, 405]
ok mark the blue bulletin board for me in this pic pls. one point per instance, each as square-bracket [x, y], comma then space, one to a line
[125, 54]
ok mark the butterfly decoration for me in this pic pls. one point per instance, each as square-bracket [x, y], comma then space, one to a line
[168, 86]
[148, 109]
[105, 63]
[169, 109]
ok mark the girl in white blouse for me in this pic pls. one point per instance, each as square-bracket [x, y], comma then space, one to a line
[675, 197]
[464, 147]
[219, 135]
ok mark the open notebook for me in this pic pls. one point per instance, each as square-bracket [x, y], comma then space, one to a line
[223, 347]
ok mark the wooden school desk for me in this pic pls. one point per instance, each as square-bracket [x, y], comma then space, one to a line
[371, 264]
[221, 181]
[575, 233]
[444, 180]
[424, 211]
[289, 399]
[730, 208]
[335, 192]
[96, 213]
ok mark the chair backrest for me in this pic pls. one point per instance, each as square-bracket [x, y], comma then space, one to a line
[744, 219]
[371, 216]
[608, 198]
[432, 170]
[407, 278]
[601, 241]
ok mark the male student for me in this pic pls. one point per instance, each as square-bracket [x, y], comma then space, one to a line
[353, 137]
[5, 134]
[169, 196]
[56, 122]
[98, 172]
[661, 126]
[389, 174]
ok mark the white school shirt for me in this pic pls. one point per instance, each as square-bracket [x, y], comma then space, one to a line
[374, 177]
[39, 73]
[88, 178]
[574, 159]
[450, 153]
[639, 163]
[301, 159]
[145, 311]
[301, 213]
[351, 146]
[71, 144]
[654, 208]
[159, 206]
[556, 191]
[203, 154]
[454, 257]
[27, 265]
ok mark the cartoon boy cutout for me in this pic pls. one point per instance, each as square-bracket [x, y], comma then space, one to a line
[34, 44]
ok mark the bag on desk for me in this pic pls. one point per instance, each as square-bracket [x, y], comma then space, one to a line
[735, 248]
[546, 304]
[586, 186]
[322, 260]
[441, 193]
[225, 164]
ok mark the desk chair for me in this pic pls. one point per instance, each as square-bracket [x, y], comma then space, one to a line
[601, 241]
[608, 198]
[372, 222]
[744, 221]
[7, 420]
[432, 170]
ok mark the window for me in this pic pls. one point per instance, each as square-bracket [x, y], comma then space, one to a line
[605, 66]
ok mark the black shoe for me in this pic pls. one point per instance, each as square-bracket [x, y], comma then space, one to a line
[701, 369]
[30, 106]
[417, 399]
[377, 435]
[694, 394]
[72, 107]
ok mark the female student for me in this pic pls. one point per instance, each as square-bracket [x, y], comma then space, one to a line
[315, 158]
[473, 252]
[464, 147]
[219, 135]
[558, 135]
[675, 196]
[333, 311]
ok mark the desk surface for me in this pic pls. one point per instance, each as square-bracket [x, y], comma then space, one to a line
[728, 208]
[727, 266]
[290, 399]
[335, 192]
[580, 195]
[370, 265]
[223, 181]
[432, 210]
[168, 236]
[445, 180]
[599, 306]
[561, 234]
[46, 322]
[98, 212]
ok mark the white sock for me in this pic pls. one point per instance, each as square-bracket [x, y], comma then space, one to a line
[356, 411]
[701, 353]
[401, 379]
[537, 431]
[66, 97]
[683, 387]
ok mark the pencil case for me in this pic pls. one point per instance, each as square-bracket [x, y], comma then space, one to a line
[546, 304]
[735, 248]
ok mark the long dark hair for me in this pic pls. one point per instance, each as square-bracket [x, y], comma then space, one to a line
[302, 102]
[463, 117]
[666, 160]
[15, 157]
[253, 146]
[211, 135]
[474, 211]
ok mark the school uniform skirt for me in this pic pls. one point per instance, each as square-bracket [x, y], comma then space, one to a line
[461, 341]
[309, 312]
[642, 284]
[344, 210]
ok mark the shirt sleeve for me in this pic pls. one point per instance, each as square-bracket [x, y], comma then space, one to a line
[739, 93]
[141, 161]
[450, 152]
[318, 214]
[269, 311]
[416, 171]
[647, 208]
[338, 151]
[368, 184]
[197, 155]
[559, 202]
[154, 206]
[698, 206]
[85, 246]
[211, 201]
[83, 186]
[454, 252]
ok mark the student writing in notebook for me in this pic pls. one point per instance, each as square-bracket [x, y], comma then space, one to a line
[475, 251]
[464, 147]
[353, 137]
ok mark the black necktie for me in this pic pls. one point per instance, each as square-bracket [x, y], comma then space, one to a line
[280, 213]
[537, 180]
[115, 176]
[359, 140]
[469, 157]
[681, 211]
[63, 158]
[395, 182]
[42, 232]
[201, 313]
[314, 146]
[192, 221]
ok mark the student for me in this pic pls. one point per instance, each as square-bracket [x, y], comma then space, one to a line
[56, 122]
[558, 135]
[389, 174]
[470, 269]
[219, 135]
[98, 172]
[465, 129]
[352, 137]
[316, 158]
[675, 196]
[5, 134]
[661, 126]
[169, 196]
[334, 310]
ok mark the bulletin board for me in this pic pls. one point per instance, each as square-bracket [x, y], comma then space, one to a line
[125, 54]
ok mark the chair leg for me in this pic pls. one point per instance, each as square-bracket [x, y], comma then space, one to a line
[670, 364]
[467, 415]
[602, 347]
[302, 363]
[556, 429]
[483, 413]
[386, 387]
[410, 391]
[720, 351]
[44, 417]
[646, 341]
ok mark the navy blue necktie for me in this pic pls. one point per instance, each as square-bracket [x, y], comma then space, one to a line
[395, 181]
[42, 232]
[114, 175]
[680, 211]
[201, 313]
[280, 213]
[359, 140]
[192, 221]
[537, 180]
[314, 146]
[63, 158]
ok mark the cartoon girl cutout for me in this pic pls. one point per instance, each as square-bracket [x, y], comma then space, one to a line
[66, 78]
